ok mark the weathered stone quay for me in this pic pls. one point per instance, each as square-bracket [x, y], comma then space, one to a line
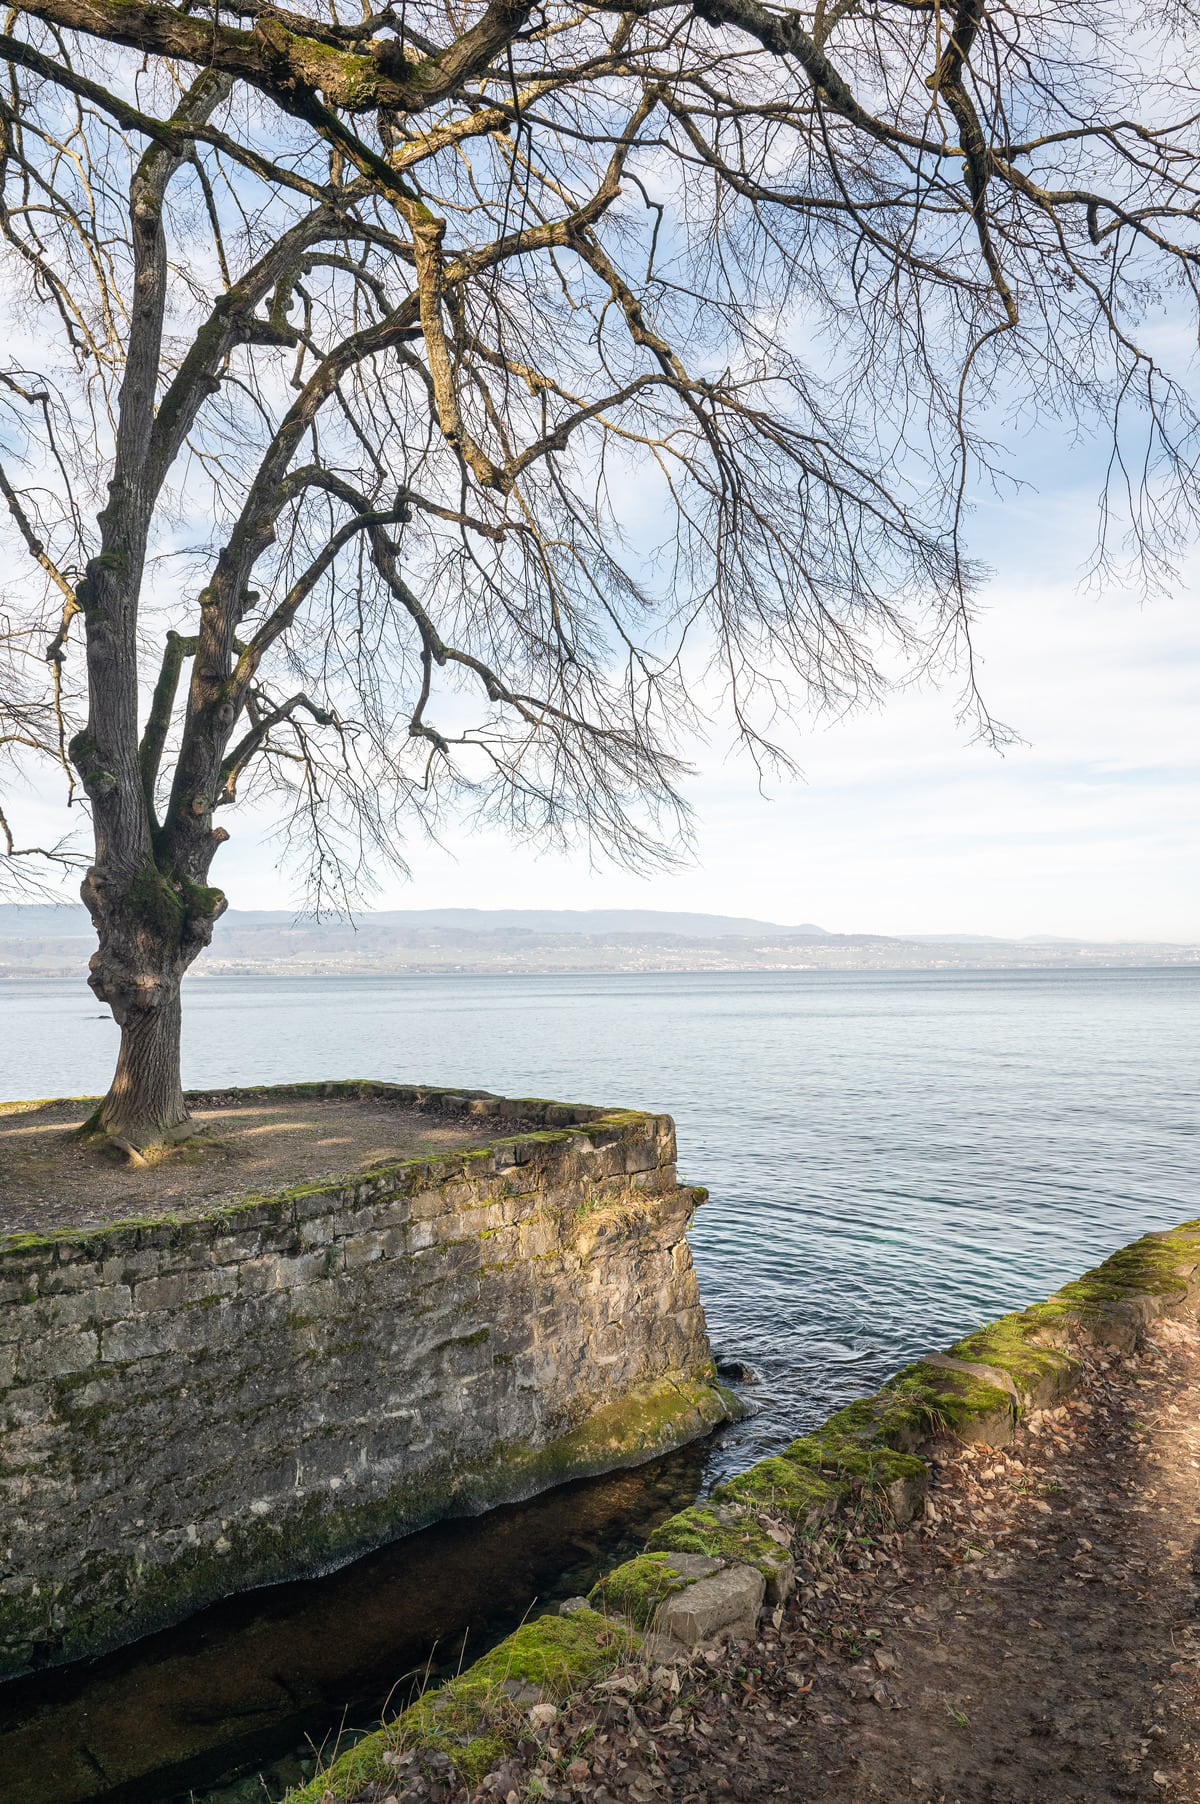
[264, 1385]
[995, 1598]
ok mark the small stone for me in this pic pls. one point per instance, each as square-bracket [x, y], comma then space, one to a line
[521, 1691]
[542, 1715]
[571, 1606]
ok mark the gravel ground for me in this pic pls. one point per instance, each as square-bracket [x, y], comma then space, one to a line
[1032, 1639]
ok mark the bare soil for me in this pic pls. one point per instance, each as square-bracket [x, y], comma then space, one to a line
[1031, 1640]
[49, 1179]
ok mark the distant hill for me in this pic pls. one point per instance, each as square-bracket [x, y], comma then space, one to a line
[54, 921]
[48, 941]
[21, 920]
[593, 920]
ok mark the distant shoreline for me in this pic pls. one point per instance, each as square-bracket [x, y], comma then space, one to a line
[39, 941]
[957, 967]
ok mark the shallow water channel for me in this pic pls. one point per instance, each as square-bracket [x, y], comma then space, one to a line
[262, 1684]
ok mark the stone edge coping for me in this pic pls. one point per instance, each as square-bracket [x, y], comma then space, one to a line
[707, 1572]
[538, 1123]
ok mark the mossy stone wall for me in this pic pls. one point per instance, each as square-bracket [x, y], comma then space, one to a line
[853, 1467]
[190, 1407]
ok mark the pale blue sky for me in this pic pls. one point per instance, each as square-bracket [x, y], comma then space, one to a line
[900, 824]
[1091, 827]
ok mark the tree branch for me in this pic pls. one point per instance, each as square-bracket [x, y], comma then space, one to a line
[253, 741]
[158, 721]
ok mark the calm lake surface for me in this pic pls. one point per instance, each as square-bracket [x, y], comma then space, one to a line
[893, 1157]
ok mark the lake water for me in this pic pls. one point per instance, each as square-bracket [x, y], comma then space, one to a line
[893, 1157]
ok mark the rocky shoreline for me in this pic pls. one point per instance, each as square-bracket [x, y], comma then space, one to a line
[1001, 1612]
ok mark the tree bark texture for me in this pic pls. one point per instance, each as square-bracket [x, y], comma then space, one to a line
[145, 1104]
[149, 933]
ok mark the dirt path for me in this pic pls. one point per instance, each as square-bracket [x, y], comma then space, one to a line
[1032, 1640]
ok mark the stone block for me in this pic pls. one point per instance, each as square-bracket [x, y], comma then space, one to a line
[169, 1333]
[15, 1289]
[34, 1445]
[70, 1275]
[179, 1288]
[272, 1271]
[904, 1496]
[1121, 1324]
[363, 1249]
[392, 1212]
[22, 1403]
[103, 1303]
[55, 1355]
[725, 1606]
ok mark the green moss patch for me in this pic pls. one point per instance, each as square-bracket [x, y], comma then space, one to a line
[1041, 1374]
[653, 1419]
[862, 1436]
[733, 1535]
[477, 1718]
[1150, 1267]
[783, 1488]
[638, 1587]
[935, 1401]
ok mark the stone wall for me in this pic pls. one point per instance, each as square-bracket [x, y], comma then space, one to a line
[708, 1571]
[189, 1407]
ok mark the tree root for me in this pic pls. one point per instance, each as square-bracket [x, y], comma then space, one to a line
[164, 1144]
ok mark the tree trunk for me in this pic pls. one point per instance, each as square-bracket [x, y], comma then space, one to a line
[150, 930]
[144, 1106]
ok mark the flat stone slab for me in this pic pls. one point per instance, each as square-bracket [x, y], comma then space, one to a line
[725, 1605]
[970, 1368]
[693, 1565]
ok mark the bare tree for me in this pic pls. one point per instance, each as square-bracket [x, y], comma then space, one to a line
[396, 400]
